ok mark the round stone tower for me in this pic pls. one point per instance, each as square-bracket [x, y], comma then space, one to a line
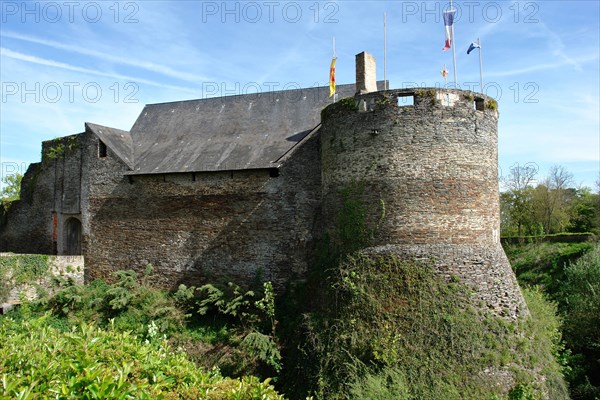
[426, 162]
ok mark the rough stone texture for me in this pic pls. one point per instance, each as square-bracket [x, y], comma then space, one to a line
[366, 73]
[66, 267]
[485, 269]
[50, 193]
[197, 226]
[433, 166]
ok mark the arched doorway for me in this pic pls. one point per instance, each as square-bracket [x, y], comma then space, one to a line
[72, 237]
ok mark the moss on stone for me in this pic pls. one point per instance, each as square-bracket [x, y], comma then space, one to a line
[347, 104]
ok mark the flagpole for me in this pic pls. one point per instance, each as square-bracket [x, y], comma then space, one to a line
[384, 51]
[454, 50]
[480, 66]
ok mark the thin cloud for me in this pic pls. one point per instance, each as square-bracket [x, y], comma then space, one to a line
[149, 66]
[4, 52]
[542, 67]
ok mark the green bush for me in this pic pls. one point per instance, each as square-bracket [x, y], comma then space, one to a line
[130, 302]
[581, 293]
[392, 326]
[37, 360]
[389, 383]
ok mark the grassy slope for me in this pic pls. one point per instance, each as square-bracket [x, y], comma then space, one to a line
[392, 329]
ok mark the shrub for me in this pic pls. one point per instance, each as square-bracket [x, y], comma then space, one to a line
[131, 302]
[581, 291]
[37, 360]
[393, 326]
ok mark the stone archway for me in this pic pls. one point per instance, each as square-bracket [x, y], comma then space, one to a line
[72, 234]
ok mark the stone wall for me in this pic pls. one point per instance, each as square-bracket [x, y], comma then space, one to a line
[195, 227]
[429, 178]
[50, 193]
[431, 166]
[64, 267]
[434, 166]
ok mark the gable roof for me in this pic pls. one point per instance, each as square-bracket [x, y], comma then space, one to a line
[117, 140]
[251, 131]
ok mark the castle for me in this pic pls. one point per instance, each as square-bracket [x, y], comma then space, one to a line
[240, 186]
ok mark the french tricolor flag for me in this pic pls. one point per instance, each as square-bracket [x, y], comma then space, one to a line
[449, 25]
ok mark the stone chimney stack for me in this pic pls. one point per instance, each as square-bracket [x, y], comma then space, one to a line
[366, 80]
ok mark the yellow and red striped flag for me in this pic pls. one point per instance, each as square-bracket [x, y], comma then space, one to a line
[332, 77]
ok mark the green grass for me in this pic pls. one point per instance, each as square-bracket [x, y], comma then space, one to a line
[569, 274]
[543, 264]
[392, 329]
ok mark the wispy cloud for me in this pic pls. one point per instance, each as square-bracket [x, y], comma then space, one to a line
[4, 52]
[577, 62]
[149, 66]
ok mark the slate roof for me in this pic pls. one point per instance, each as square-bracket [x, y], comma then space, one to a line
[117, 140]
[252, 131]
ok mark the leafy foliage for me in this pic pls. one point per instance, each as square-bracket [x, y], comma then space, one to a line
[398, 330]
[569, 274]
[130, 302]
[544, 264]
[91, 363]
[550, 206]
[581, 294]
[62, 147]
[19, 269]
[11, 189]
[255, 327]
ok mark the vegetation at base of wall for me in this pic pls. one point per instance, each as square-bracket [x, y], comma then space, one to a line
[392, 329]
[219, 326]
[580, 294]
[570, 274]
[19, 269]
[380, 327]
[39, 360]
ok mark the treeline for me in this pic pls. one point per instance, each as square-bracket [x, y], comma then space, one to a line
[531, 206]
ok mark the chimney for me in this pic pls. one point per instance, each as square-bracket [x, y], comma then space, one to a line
[366, 80]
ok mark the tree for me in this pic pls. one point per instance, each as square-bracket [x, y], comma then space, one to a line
[553, 199]
[517, 200]
[11, 189]
[585, 211]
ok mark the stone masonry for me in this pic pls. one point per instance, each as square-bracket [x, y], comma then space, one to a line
[241, 188]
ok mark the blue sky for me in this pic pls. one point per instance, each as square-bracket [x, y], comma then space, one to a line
[66, 63]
